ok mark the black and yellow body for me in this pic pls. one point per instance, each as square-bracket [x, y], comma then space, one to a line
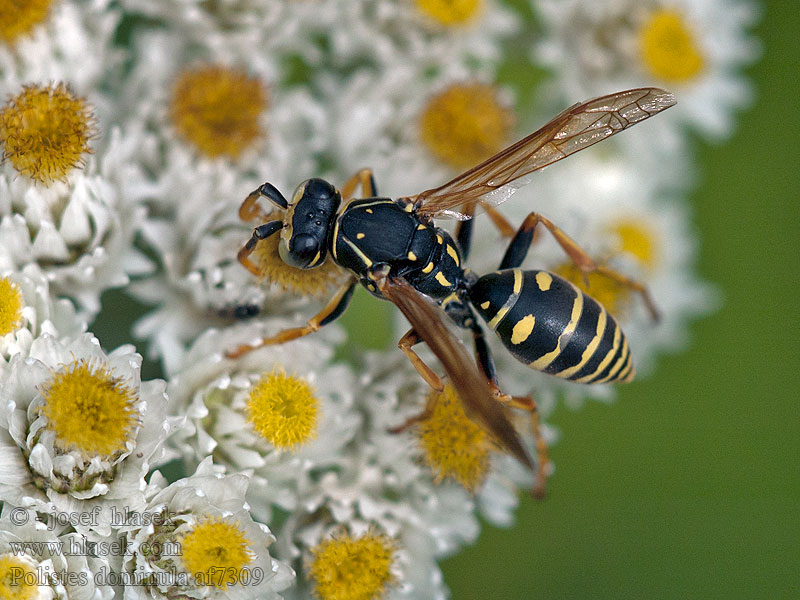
[549, 324]
[543, 320]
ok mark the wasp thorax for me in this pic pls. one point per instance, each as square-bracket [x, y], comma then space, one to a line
[308, 223]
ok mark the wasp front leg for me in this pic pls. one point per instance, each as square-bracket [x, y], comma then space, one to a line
[332, 311]
[261, 232]
[518, 249]
[250, 209]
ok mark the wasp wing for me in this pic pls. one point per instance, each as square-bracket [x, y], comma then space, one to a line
[578, 127]
[473, 390]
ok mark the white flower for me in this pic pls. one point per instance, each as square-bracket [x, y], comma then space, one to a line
[73, 43]
[196, 538]
[338, 34]
[194, 229]
[377, 120]
[282, 413]
[383, 485]
[37, 553]
[36, 311]
[78, 428]
[79, 231]
[694, 49]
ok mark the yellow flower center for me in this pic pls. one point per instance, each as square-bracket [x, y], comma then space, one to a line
[45, 131]
[638, 239]
[215, 552]
[454, 446]
[217, 109]
[315, 282]
[348, 568]
[466, 124]
[283, 409]
[11, 305]
[18, 579]
[450, 12]
[89, 409]
[19, 18]
[669, 48]
[613, 296]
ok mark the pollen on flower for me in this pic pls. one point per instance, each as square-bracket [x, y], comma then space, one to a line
[217, 109]
[450, 12]
[466, 124]
[453, 445]
[89, 409]
[669, 48]
[283, 409]
[216, 551]
[349, 568]
[19, 18]
[613, 296]
[638, 239]
[315, 282]
[17, 578]
[45, 131]
[11, 305]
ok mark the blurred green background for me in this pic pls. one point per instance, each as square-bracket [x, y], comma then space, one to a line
[688, 485]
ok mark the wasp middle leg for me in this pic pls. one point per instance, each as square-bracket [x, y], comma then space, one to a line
[366, 179]
[484, 360]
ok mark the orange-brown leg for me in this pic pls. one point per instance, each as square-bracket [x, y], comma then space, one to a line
[518, 249]
[251, 210]
[411, 338]
[406, 342]
[329, 313]
[543, 462]
[363, 178]
[261, 232]
[503, 225]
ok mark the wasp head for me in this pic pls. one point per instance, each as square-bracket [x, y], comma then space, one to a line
[307, 224]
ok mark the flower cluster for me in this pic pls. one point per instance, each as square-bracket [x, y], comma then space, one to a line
[132, 131]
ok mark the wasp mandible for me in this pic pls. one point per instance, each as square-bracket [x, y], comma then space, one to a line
[393, 248]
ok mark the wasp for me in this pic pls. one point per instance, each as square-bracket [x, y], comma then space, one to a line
[393, 248]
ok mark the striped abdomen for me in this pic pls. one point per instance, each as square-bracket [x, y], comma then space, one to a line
[550, 325]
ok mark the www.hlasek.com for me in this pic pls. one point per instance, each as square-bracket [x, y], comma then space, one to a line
[81, 546]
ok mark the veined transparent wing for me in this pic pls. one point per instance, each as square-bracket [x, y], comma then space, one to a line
[578, 127]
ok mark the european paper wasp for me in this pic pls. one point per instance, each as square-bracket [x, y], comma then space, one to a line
[393, 248]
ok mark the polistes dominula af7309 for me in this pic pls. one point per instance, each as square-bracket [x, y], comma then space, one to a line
[393, 248]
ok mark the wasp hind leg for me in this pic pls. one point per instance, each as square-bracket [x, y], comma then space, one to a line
[332, 311]
[483, 357]
[518, 249]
